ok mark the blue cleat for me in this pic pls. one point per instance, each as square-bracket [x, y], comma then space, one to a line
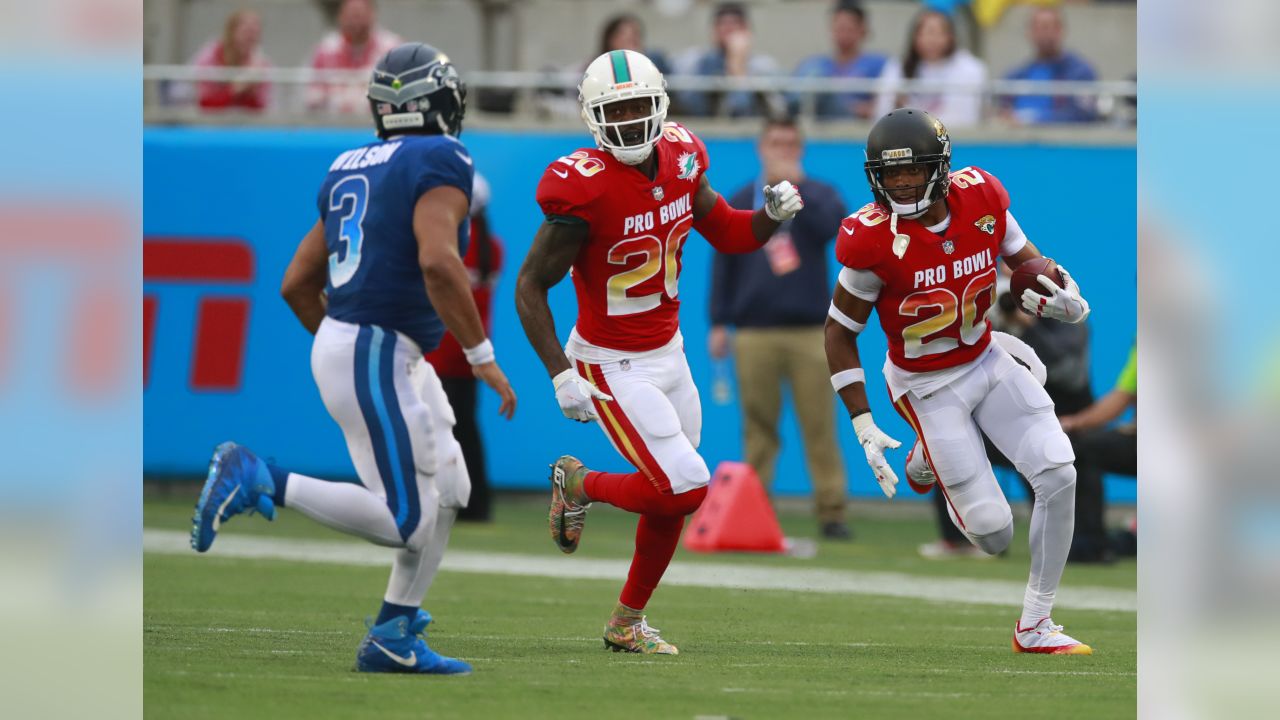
[398, 646]
[237, 482]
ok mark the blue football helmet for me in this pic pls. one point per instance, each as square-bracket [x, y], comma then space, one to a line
[415, 89]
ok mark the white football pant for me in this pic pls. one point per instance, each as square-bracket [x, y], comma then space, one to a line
[399, 431]
[655, 418]
[1001, 399]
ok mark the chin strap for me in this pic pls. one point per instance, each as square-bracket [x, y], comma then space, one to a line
[900, 240]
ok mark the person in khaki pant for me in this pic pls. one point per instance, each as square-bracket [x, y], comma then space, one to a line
[775, 300]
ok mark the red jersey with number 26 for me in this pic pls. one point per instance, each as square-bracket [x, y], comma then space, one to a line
[934, 301]
[627, 273]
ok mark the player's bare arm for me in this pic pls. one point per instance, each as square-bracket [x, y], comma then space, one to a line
[1028, 252]
[740, 231]
[555, 246]
[304, 279]
[846, 318]
[436, 217]
[842, 347]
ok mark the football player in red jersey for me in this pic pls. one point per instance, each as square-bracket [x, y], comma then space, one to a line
[923, 255]
[618, 214]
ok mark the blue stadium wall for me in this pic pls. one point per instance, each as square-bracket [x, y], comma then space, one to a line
[258, 187]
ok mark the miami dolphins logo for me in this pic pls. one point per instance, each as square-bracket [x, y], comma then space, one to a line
[986, 224]
[689, 167]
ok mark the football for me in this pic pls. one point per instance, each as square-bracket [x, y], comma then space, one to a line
[1024, 277]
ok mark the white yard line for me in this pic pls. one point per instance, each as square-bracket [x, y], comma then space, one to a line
[718, 575]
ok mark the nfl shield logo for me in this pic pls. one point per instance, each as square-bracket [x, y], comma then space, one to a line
[657, 194]
[948, 247]
[625, 364]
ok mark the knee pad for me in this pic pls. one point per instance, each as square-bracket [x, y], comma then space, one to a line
[453, 481]
[1053, 481]
[990, 526]
[1045, 447]
[691, 473]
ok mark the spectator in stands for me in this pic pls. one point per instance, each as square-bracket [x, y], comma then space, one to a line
[483, 261]
[625, 32]
[1102, 448]
[775, 300]
[730, 57]
[237, 48]
[356, 44]
[1064, 349]
[1052, 62]
[848, 30]
[933, 55]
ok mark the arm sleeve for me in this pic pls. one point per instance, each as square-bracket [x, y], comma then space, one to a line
[862, 284]
[1014, 239]
[727, 230]
[446, 164]
[1128, 380]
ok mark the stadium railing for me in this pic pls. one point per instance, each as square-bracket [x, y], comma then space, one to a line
[548, 99]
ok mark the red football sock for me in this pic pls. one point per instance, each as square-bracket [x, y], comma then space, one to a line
[635, 493]
[656, 539]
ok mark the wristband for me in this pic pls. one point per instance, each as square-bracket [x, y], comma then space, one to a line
[480, 354]
[845, 378]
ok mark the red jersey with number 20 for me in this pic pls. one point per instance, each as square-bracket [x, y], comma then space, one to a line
[934, 301]
[627, 273]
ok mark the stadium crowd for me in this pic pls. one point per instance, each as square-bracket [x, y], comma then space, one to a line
[935, 51]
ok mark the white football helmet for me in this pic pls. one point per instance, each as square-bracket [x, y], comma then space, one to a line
[623, 75]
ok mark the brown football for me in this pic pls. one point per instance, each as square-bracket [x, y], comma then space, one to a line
[1024, 277]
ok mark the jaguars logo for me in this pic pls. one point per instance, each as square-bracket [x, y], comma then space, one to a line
[986, 224]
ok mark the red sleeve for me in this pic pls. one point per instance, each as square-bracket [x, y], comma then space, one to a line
[562, 192]
[860, 245]
[994, 190]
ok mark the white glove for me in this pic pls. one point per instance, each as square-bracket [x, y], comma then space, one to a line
[874, 442]
[1063, 304]
[782, 201]
[574, 394]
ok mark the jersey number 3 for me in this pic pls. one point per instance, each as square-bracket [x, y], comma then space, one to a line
[957, 320]
[351, 198]
[658, 256]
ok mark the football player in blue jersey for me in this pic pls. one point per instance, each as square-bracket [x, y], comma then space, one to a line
[377, 280]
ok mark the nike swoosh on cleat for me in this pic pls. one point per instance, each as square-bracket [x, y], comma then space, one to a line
[411, 661]
[217, 517]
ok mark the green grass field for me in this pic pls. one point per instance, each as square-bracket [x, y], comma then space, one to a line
[230, 637]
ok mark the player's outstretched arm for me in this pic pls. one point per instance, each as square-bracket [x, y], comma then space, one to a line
[304, 279]
[845, 319]
[742, 231]
[436, 218]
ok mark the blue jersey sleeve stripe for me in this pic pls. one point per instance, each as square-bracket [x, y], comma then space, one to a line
[364, 396]
[402, 453]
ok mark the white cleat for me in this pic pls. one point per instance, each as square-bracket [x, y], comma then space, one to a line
[1046, 638]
